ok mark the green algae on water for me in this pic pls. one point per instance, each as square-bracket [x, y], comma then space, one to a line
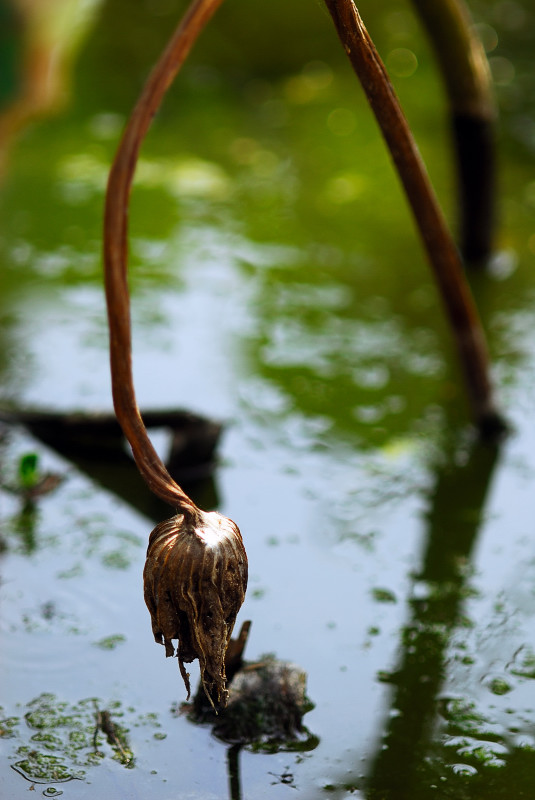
[56, 742]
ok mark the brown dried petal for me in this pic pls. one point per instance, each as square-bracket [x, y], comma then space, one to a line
[195, 579]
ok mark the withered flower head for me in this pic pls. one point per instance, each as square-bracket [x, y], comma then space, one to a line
[195, 579]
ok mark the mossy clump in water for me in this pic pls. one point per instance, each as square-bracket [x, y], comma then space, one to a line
[56, 742]
[266, 705]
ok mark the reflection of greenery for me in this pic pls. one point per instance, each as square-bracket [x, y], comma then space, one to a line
[114, 548]
[348, 325]
[24, 525]
[24, 484]
[29, 481]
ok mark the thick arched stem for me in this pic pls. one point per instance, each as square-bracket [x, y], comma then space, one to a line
[116, 255]
[443, 256]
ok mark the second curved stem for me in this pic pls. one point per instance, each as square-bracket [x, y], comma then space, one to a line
[119, 187]
[442, 252]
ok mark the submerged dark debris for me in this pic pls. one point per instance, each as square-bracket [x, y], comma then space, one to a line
[266, 705]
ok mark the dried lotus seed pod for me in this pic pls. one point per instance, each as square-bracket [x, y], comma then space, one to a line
[195, 579]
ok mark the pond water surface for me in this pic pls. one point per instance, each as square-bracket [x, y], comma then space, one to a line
[278, 286]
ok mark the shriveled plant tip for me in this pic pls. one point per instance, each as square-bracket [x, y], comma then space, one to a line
[195, 579]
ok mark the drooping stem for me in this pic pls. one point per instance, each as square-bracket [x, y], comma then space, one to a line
[116, 255]
[468, 82]
[441, 250]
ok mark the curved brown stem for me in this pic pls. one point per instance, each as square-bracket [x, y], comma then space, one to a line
[442, 253]
[116, 255]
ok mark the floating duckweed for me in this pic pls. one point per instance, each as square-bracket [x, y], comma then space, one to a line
[74, 572]
[110, 642]
[60, 741]
[384, 676]
[130, 538]
[461, 715]
[468, 660]
[78, 738]
[116, 560]
[48, 740]
[94, 758]
[527, 668]
[7, 726]
[383, 595]
[46, 712]
[150, 719]
[42, 768]
[499, 686]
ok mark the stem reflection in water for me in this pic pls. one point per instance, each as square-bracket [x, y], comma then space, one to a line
[233, 766]
[453, 523]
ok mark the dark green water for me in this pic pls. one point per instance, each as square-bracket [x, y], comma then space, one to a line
[278, 284]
